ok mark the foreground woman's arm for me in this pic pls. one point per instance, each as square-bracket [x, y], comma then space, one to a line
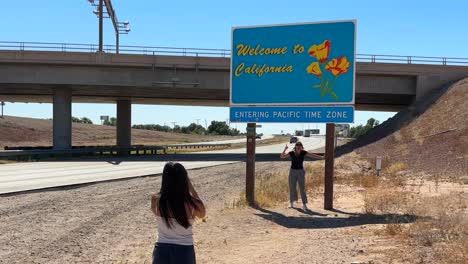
[154, 203]
[200, 211]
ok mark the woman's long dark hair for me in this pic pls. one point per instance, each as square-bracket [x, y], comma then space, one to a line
[175, 195]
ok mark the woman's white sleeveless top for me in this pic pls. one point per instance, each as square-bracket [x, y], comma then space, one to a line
[177, 234]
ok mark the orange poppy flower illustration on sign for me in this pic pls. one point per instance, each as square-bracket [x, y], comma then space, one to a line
[321, 52]
[337, 66]
[314, 68]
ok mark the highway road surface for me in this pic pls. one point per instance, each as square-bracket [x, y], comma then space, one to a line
[38, 175]
[230, 141]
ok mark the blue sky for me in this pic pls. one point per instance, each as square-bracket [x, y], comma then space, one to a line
[425, 28]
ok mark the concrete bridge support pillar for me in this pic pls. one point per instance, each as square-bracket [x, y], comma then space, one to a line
[124, 123]
[62, 118]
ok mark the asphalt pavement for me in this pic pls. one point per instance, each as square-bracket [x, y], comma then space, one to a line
[39, 175]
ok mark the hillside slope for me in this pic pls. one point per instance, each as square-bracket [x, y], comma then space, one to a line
[430, 136]
[20, 131]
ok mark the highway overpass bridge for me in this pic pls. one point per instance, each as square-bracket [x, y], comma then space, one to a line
[64, 73]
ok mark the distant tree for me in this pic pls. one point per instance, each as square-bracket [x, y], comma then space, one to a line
[154, 127]
[177, 129]
[83, 120]
[218, 128]
[372, 123]
[86, 120]
[234, 132]
[222, 128]
[194, 129]
[111, 122]
[360, 130]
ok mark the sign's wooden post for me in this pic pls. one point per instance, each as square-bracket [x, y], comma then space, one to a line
[329, 160]
[250, 166]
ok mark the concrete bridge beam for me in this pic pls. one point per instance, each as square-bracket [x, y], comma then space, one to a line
[124, 123]
[62, 118]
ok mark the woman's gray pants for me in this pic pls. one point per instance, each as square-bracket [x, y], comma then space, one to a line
[297, 176]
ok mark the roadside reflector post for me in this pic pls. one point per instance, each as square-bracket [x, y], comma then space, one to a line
[250, 167]
[378, 164]
[329, 161]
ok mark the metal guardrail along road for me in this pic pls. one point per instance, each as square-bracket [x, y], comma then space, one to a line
[222, 53]
[34, 153]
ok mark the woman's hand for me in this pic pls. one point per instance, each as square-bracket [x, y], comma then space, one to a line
[283, 155]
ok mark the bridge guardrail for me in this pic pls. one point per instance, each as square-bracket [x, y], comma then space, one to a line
[221, 53]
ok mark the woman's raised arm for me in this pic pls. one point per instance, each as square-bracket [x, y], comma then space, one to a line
[284, 154]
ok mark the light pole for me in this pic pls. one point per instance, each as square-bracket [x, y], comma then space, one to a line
[119, 27]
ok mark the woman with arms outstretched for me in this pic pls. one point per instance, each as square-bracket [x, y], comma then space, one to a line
[297, 172]
[175, 208]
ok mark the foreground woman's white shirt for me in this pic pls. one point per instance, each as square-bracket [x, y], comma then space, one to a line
[178, 234]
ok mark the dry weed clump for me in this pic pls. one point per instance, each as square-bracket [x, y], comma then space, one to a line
[395, 168]
[385, 201]
[394, 174]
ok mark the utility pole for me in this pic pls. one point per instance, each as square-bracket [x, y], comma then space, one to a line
[101, 24]
[173, 124]
[3, 104]
[198, 119]
[119, 27]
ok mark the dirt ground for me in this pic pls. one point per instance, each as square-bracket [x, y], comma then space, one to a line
[111, 223]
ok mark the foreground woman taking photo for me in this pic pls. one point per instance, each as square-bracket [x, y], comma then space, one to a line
[175, 207]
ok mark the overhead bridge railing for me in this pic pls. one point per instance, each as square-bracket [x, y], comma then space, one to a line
[220, 53]
[93, 48]
[412, 59]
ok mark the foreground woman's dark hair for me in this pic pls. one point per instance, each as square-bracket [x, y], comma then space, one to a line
[175, 195]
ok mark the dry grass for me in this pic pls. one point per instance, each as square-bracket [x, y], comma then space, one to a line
[7, 161]
[443, 228]
[272, 189]
[358, 179]
[19, 131]
[439, 233]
